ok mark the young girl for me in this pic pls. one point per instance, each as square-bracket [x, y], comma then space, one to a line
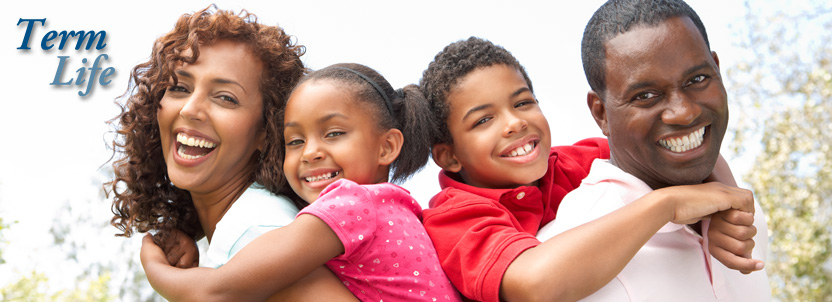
[345, 130]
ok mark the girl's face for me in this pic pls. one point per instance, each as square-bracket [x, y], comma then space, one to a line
[211, 121]
[330, 135]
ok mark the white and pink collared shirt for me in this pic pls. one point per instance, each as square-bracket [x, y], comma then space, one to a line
[674, 265]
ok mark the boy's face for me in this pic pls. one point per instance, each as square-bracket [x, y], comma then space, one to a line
[665, 110]
[500, 137]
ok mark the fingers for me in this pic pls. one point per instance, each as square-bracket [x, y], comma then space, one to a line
[188, 260]
[189, 256]
[745, 200]
[174, 255]
[737, 217]
[732, 244]
[151, 252]
[732, 261]
[733, 223]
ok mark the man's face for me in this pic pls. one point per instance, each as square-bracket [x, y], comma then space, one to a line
[665, 108]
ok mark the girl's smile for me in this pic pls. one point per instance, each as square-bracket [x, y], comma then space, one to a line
[330, 135]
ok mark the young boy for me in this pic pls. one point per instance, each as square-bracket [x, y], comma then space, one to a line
[501, 182]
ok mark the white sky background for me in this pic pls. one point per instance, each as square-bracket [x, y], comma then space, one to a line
[52, 142]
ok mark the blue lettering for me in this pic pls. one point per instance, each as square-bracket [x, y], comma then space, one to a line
[31, 23]
[46, 38]
[93, 71]
[60, 72]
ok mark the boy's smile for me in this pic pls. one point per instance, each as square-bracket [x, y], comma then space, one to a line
[500, 137]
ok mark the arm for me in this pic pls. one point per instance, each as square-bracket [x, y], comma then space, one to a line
[731, 233]
[579, 261]
[320, 285]
[270, 263]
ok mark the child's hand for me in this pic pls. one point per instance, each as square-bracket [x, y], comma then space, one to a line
[152, 256]
[691, 203]
[730, 236]
[181, 251]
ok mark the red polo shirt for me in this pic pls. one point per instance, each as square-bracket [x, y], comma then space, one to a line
[478, 232]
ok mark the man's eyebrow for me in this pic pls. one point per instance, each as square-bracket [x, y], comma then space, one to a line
[640, 85]
[697, 67]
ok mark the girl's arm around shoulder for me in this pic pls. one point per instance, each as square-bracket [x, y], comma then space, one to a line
[266, 266]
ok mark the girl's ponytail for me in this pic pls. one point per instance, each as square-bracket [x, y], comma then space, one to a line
[414, 120]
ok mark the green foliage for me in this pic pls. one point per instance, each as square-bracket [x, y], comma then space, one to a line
[2, 239]
[36, 287]
[784, 87]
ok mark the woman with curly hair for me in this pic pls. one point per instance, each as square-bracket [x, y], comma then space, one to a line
[200, 140]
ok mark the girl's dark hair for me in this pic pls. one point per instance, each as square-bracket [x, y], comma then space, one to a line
[453, 63]
[144, 198]
[410, 112]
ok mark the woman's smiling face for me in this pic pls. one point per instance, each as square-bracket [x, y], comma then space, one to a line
[210, 122]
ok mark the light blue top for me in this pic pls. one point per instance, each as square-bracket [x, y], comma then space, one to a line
[255, 212]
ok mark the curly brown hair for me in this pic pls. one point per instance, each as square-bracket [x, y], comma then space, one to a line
[453, 63]
[144, 198]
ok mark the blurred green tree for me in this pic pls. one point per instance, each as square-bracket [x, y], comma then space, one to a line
[783, 87]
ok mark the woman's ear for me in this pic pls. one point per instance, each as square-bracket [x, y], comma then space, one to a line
[445, 158]
[599, 112]
[260, 140]
[391, 146]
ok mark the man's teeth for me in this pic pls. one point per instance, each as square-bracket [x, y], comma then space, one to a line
[194, 142]
[685, 143]
[321, 177]
[522, 150]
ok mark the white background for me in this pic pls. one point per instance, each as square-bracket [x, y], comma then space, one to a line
[53, 143]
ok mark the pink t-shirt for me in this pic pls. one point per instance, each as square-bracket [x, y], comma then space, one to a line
[388, 256]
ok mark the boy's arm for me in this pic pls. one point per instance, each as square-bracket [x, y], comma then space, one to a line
[580, 261]
[731, 233]
[475, 239]
[267, 265]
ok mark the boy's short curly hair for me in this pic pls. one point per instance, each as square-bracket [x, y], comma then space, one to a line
[453, 63]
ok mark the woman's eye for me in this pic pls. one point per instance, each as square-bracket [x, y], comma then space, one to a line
[177, 88]
[294, 142]
[229, 99]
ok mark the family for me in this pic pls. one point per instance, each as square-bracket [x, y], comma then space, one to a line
[290, 173]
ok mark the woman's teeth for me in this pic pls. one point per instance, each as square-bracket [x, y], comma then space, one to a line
[194, 142]
[321, 177]
[196, 146]
[522, 150]
[685, 143]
